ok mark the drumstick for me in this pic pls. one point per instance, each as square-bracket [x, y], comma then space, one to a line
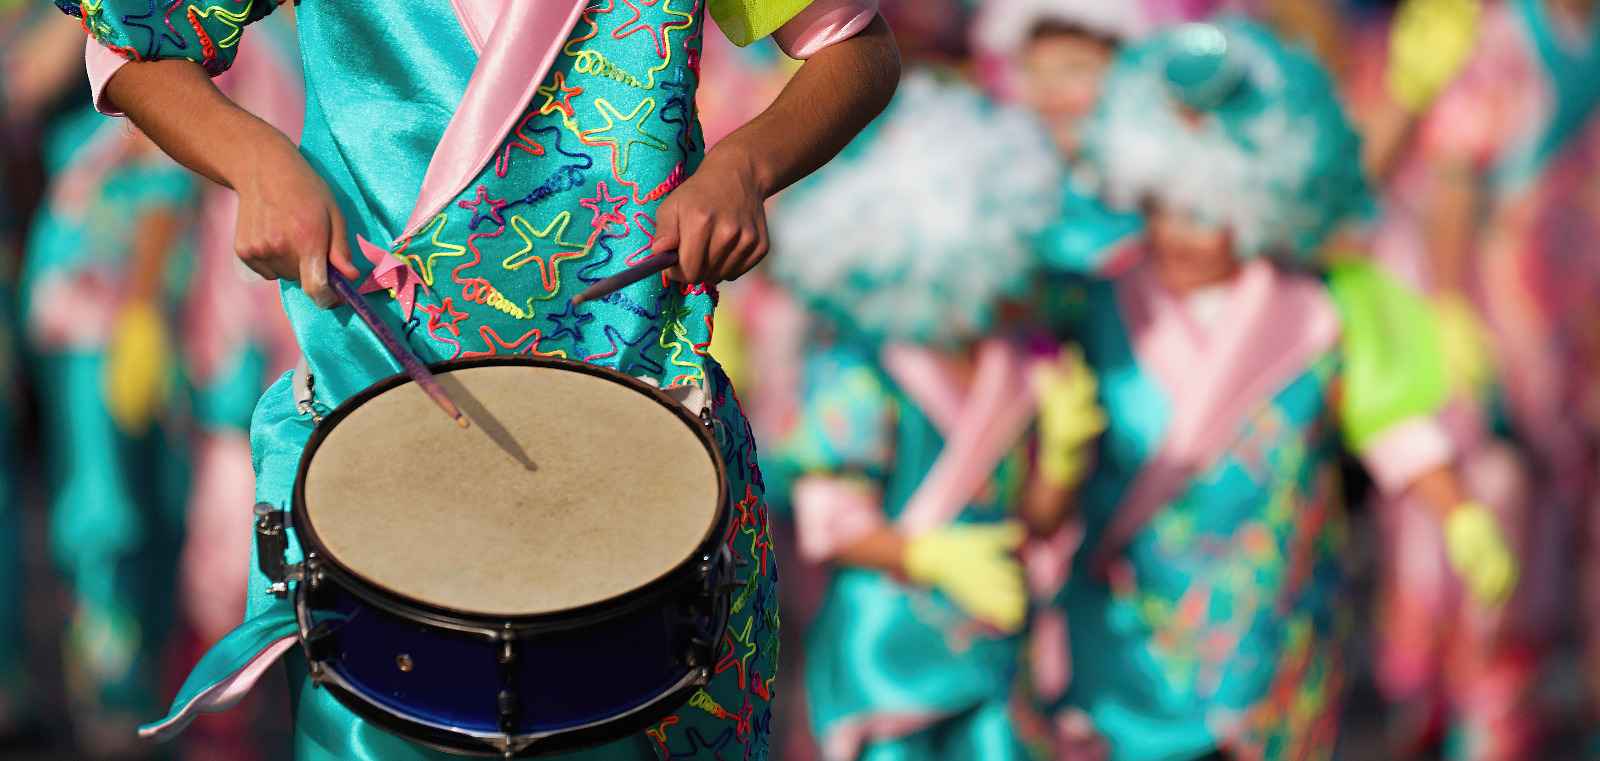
[653, 264]
[413, 366]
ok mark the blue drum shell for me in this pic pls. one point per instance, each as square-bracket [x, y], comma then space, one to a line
[453, 679]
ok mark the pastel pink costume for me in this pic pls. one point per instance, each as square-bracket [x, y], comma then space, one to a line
[1535, 276]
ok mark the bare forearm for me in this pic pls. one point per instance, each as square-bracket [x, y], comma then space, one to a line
[289, 224]
[1440, 489]
[177, 106]
[883, 550]
[154, 236]
[1388, 131]
[1452, 226]
[830, 99]
[1048, 506]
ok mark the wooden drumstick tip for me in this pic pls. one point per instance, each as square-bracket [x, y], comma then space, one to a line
[461, 421]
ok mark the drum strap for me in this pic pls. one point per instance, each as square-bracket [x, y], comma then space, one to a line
[692, 397]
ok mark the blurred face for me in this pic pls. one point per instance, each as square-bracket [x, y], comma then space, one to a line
[1187, 254]
[1062, 75]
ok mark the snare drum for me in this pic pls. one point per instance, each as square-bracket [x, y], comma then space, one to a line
[554, 577]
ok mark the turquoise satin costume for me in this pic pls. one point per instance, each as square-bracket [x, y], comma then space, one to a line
[1221, 623]
[567, 199]
[117, 499]
[881, 649]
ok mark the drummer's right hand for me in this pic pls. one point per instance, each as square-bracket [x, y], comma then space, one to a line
[977, 568]
[290, 226]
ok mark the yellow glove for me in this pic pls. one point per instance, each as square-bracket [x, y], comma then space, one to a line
[1479, 553]
[1429, 44]
[136, 370]
[977, 568]
[1069, 418]
[1465, 342]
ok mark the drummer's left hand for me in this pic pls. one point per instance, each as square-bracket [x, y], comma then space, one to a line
[715, 219]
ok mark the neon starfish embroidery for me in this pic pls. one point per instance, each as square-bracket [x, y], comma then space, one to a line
[495, 205]
[697, 743]
[733, 659]
[520, 141]
[154, 48]
[94, 20]
[233, 21]
[435, 313]
[623, 149]
[665, 43]
[440, 248]
[637, 24]
[613, 213]
[549, 274]
[568, 322]
[650, 367]
[659, 734]
[562, 104]
[675, 328]
[494, 342]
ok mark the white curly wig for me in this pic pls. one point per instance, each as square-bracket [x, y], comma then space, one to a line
[926, 222]
[1272, 156]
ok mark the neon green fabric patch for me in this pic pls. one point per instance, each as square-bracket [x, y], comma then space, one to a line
[1394, 361]
[745, 21]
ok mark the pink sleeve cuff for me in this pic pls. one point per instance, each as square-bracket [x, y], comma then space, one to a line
[102, 64]
[831, 515]
[824, 23]
[1405, 452]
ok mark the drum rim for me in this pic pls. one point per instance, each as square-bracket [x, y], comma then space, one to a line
[597, 613]
[533, 745]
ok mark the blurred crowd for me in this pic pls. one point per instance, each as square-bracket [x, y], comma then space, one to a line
[1068, 374]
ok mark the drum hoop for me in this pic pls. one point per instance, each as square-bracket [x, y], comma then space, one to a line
[667, 586]
[452, 740]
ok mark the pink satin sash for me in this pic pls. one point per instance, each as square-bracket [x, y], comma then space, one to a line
[522, 46]
[993, 417]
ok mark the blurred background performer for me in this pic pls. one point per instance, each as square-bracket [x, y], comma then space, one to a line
[1452, 671]
[39, 69]
[1053, 56]
[1207, 604]
[601, 161]
[1512, 170]
[106, 260]
[909, 454]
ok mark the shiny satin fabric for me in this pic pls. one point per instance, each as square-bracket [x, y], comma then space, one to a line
[894, 670]
[1220, 625]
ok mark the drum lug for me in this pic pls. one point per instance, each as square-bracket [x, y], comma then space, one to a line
[698, 653]
[272, 547]
[510, 704]
[319, 643]
[510, 657]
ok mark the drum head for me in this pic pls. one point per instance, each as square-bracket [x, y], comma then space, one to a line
[569, 489]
